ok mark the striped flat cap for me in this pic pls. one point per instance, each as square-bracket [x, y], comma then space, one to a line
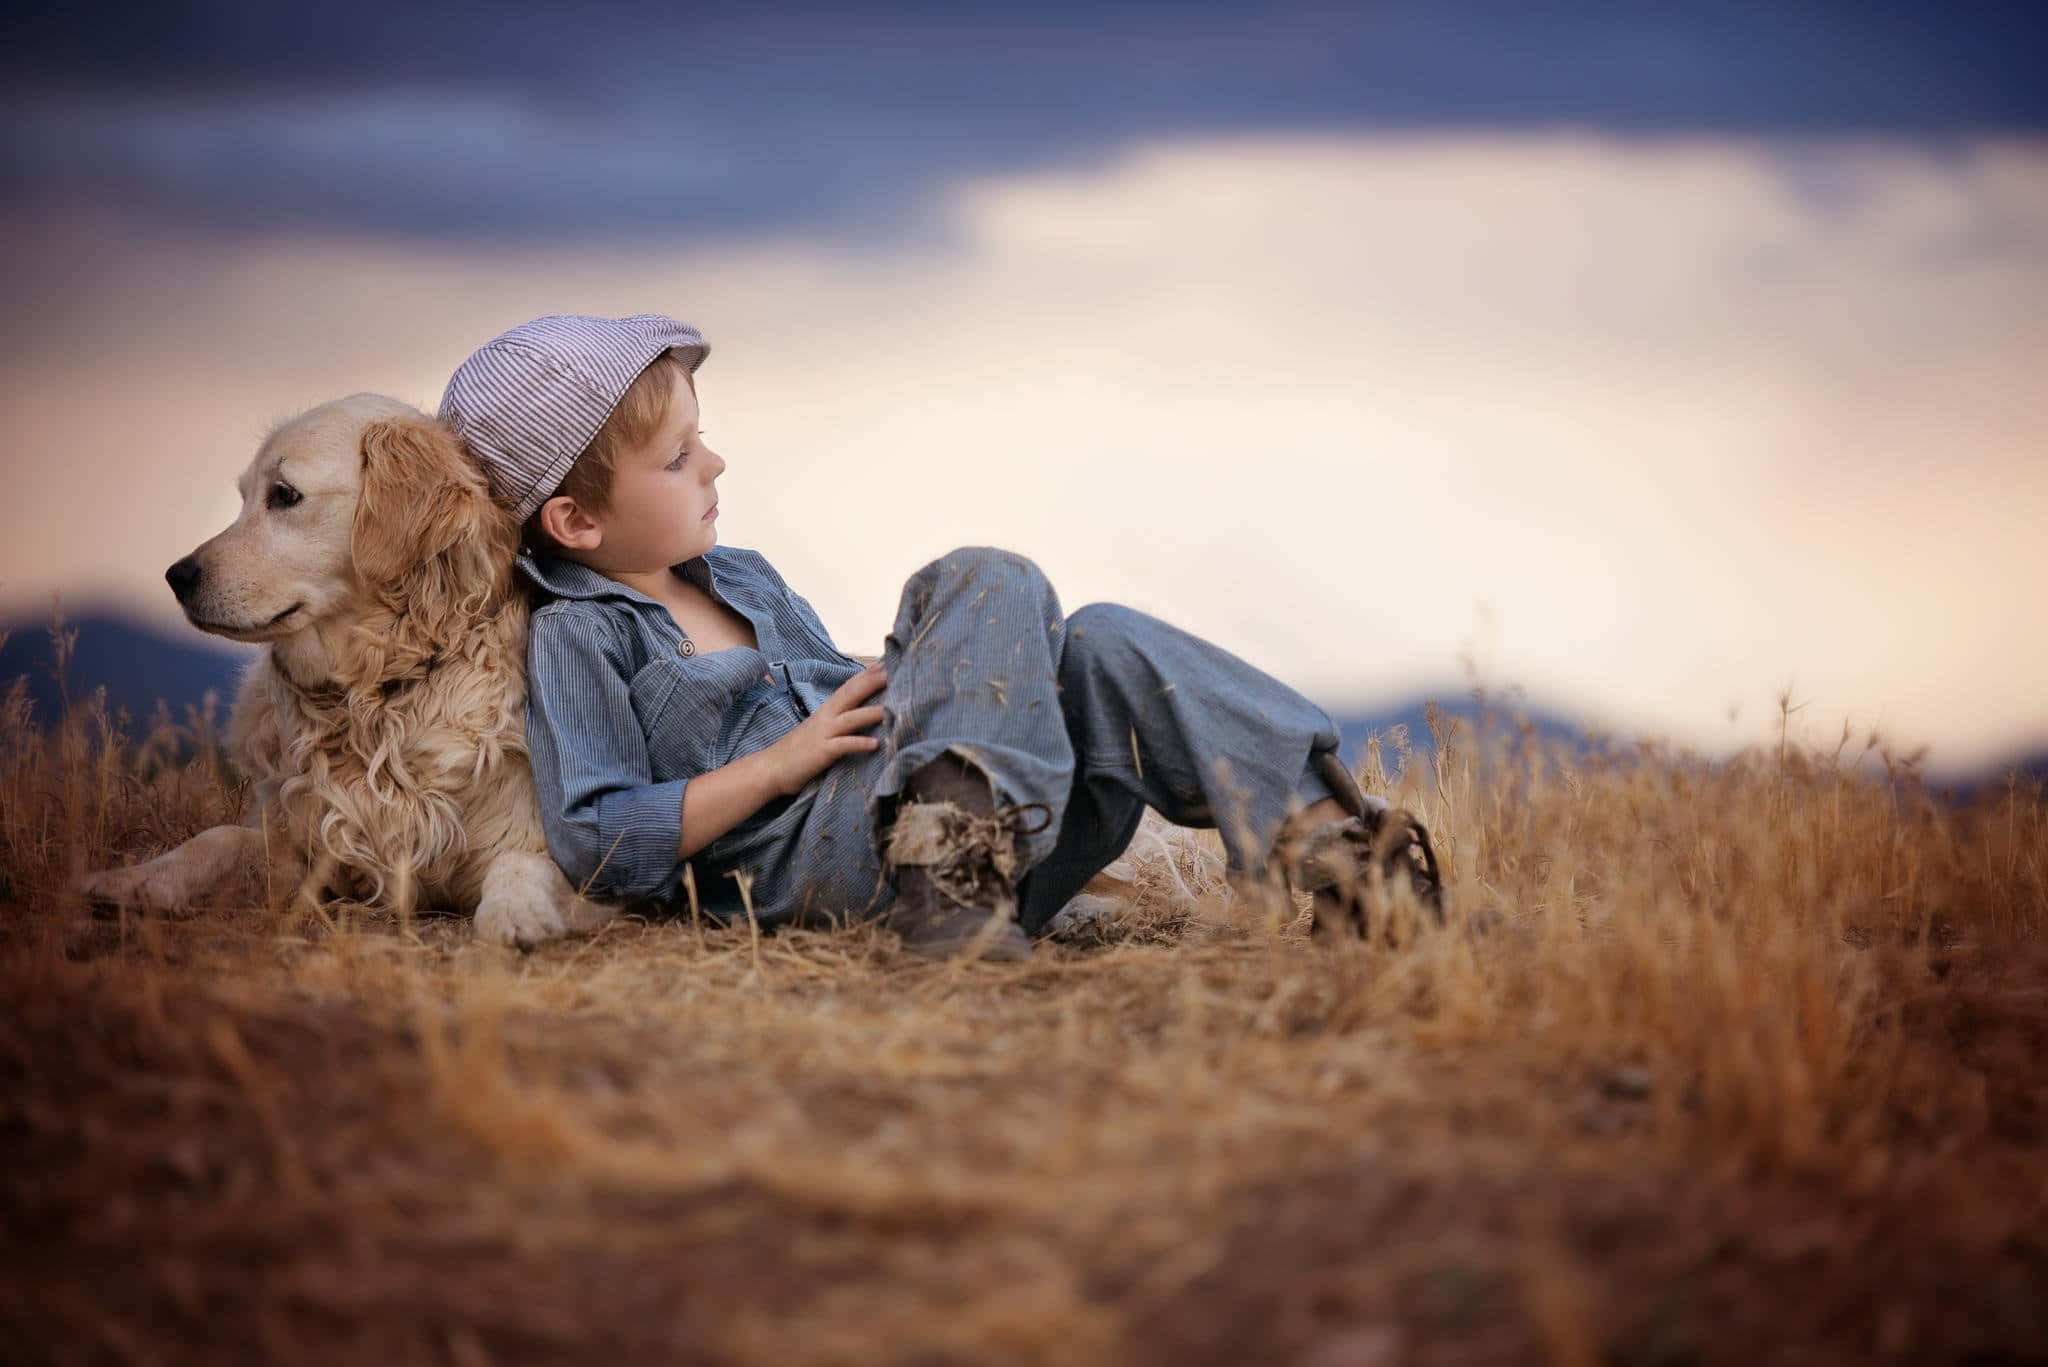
[529, 401]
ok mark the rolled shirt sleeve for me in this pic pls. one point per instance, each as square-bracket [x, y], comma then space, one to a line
[612, 829]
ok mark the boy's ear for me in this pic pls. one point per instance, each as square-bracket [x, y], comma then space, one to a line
[565, 522]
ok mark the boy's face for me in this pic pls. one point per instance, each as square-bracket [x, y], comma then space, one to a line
[664, 502]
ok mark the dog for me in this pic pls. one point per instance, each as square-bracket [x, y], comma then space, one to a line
[384, 727]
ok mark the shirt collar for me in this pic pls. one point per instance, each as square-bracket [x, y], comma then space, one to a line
[566, 579]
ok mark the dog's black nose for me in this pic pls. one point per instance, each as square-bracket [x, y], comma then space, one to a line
[183, 577]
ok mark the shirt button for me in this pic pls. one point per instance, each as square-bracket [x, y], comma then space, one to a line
[687, 649]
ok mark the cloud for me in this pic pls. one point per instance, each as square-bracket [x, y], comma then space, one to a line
[1646, 426]
[484, 121]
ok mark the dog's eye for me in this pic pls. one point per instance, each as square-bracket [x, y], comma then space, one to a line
[282, 495]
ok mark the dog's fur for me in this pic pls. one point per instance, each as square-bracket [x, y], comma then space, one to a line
[384, 726]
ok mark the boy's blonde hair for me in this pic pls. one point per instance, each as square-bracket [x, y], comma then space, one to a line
[632, 423]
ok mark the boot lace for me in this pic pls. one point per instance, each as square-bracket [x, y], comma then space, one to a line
[968, 858]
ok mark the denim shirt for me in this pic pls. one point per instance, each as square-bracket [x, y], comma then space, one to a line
[623, 712]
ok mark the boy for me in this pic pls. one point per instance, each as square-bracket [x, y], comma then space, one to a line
[692, 724]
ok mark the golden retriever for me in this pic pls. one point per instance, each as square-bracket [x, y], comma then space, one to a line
[384, 727]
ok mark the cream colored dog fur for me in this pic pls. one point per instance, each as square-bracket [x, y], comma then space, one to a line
[384, 726]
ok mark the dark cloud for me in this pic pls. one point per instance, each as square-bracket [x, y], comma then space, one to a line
[619, 119]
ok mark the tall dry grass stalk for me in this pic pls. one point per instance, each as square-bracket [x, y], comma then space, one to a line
[1715, 1061]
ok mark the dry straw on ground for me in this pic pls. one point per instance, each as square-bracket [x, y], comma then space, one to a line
[1747, 1066]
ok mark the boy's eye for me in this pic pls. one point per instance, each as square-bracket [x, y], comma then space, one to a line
[681, 456]
[282, 495]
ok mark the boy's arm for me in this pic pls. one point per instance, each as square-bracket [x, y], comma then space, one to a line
[722, 798]
[609, 825]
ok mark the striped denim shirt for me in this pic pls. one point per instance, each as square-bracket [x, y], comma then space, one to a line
[623, 711]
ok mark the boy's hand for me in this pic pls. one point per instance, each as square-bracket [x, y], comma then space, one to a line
[829, 733]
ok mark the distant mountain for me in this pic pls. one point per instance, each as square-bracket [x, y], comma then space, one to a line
[1357, 727]
[137, 664]
[1990, 780]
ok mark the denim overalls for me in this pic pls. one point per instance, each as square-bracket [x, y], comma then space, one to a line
[1097, 715]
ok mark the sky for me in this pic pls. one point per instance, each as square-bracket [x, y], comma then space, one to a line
[1651, 359]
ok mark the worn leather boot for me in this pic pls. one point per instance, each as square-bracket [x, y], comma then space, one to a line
[1343, 864]
[953, 857]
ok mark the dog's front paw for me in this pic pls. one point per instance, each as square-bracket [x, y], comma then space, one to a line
[139, 887]
[522, 916]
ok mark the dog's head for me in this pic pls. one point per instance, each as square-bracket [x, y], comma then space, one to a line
[361, 503]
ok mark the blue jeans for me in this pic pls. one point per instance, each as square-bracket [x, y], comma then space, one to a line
[1097, 715]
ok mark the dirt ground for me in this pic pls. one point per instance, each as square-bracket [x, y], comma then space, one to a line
[1740, 1063]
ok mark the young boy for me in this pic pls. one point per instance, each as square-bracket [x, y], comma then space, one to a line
[692, 722]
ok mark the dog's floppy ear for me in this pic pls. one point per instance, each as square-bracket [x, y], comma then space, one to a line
[425, 525]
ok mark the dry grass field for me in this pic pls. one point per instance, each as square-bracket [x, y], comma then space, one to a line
[1733, 1062]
